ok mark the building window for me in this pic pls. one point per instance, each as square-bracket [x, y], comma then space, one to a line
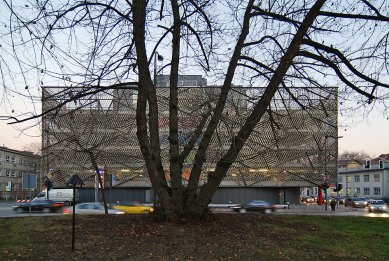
[377, 191]
[356, 178]
[340, 179]
[20, 161]
[13, 159]
[376, 177]
[6, 158]
[7, 173]
[357, 191]
[24, 162]
[348, 178]
[13, 173]
[366, 191]
[366, 178]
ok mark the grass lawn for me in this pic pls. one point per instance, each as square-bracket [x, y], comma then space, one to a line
[223, 237]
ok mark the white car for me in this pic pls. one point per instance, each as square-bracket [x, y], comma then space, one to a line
[91, 208]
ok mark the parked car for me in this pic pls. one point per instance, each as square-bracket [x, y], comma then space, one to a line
[377, 206]
[90, 208]
[133, 207]
[37, 204]
[254, 205]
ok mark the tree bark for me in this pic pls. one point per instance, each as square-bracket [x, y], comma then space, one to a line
[145, 83]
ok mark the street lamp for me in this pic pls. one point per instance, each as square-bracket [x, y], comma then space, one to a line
[160, 58]
[325, 169]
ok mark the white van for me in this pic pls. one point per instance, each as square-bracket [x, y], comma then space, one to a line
[60, 195]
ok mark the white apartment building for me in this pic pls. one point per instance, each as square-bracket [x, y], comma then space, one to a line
[370, 179]
[15, 164]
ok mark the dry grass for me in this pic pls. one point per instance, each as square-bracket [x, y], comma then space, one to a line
[224, 237]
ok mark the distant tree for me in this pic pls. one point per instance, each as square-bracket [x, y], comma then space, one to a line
[35, 147]
[355, 155]
[256, 43]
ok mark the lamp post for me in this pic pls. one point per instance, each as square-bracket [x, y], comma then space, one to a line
[325, 169]
[160, 58]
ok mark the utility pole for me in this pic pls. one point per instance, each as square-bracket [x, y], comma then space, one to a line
[325, 172]
[325, 168]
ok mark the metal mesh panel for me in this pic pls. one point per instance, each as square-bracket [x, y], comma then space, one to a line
[286, 149]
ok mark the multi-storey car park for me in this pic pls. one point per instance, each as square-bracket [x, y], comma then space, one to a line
[290, 148]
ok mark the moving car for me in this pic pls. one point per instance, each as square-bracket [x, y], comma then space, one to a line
[254, 205]
[133, 207]
[378, 206]
[38, 204]
[309, 199]
[90, 208]
[360, 202]
[356, 202]
[341, 200]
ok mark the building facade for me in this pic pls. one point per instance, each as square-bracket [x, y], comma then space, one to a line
[19, 172]
[370, 179]
[288, 149]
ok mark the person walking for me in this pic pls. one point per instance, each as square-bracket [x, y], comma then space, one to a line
[333, 204]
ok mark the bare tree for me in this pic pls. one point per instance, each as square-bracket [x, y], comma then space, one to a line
[311, 44]
[355, 155]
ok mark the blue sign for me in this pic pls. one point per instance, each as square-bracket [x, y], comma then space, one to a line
[29, 181]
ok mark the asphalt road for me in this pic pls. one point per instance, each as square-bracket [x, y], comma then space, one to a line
[6, 210]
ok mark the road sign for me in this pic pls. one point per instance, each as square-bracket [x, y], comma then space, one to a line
[29, 181]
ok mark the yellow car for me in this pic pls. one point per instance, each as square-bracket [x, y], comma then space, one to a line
[133, 207]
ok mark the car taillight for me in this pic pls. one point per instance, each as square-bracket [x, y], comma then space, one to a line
[57, 205]
[66, 211]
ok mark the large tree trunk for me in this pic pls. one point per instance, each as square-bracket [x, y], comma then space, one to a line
[151, 157]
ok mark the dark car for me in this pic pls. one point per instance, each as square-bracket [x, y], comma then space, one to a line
[37, 204]
[348, 201]
[378, 206]
[254, 205]
[341, 200]
[386, 200]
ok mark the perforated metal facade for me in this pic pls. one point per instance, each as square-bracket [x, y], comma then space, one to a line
[286, 149]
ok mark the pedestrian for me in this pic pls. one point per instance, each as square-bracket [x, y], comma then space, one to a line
[333, 204]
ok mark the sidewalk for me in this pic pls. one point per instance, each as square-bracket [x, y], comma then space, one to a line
[320, 210]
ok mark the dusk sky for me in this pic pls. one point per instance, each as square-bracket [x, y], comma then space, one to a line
[368, 135]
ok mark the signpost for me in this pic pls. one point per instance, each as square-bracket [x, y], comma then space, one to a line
[74, 181]
[29, 182]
